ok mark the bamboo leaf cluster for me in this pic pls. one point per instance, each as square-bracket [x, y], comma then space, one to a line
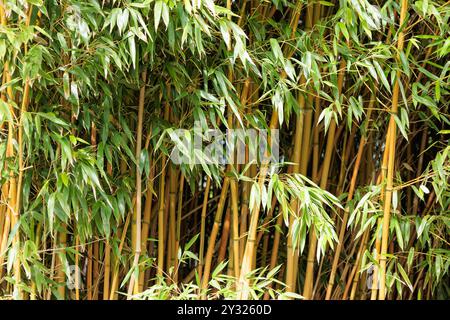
[94, 93]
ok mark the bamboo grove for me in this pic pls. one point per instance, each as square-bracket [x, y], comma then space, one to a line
[92, 207]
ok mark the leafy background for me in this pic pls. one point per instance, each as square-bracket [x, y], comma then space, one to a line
[92, 90]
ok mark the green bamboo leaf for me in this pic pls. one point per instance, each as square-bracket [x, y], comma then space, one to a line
[405, 276]
[158, 12]
[122, 20]
[382, 76]
[132, 45]
[165, 14]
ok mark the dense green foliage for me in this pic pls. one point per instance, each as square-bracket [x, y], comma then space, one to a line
[74, 149]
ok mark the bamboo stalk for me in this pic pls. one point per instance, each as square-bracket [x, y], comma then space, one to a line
[356, 268]
[107, 259]
[147, 209]
[178, 229]
[115, 276]
[390, 174]
[292, 255]
[234, 204]
[172, 216]
[225, 236]
[162, 189]
[77, 267]
[275, 247]
[202, 227]
[212, 237]
[95, 270]
[134, 282]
